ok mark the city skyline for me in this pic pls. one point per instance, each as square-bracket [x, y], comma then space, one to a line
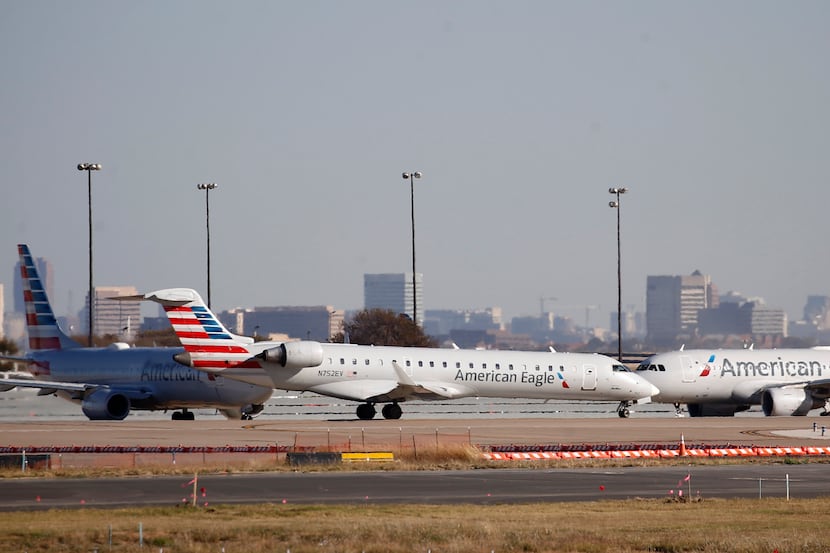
[520, 118]
[403, 286]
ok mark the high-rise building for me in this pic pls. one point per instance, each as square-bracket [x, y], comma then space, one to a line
[673, 304]
[817, 311]
[304, 323]
[111, 316]
[393, 291]
[44, 269]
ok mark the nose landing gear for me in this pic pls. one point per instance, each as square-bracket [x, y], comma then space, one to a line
[623, 409]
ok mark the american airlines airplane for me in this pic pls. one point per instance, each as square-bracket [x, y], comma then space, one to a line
[109, 382]
[722, 382]
[389, 374]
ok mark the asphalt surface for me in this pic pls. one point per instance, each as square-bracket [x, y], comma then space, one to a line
[760, 431]
[479, 486]
[501, 486]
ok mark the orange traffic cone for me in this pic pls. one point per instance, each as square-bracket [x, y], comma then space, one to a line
[682, 446]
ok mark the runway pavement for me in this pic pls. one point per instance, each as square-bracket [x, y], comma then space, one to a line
[484, 430]
[502, 485]
[429, 487]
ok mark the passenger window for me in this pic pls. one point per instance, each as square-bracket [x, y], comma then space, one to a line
[420, 363]
[484, 365]
[354, 361]
[498, 366]
[457, 365]
[408, 363]
[432, 363]
[444, 364]
[471, 365]
[510, 366]
[367, 362]
[342, 361]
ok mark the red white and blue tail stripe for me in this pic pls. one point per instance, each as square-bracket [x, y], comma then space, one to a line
[208, 344]
[41, 324]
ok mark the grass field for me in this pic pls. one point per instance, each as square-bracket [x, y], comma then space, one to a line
[741, 526]
[669, 526]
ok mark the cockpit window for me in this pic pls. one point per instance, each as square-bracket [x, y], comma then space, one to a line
[620, 369]
[651, 367]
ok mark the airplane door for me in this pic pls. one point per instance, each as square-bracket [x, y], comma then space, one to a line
[589, 377]
[687, 367]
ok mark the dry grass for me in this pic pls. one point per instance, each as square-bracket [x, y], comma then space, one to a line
[741, 526]
[452, 457]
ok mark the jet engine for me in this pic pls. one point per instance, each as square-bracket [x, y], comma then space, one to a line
[796, 402]
[106, 405]
[294, 355]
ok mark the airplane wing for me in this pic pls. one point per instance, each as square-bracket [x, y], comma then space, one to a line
[751, 391]
[46, 387]
[819, 388]
[79, 390]
[404, 388]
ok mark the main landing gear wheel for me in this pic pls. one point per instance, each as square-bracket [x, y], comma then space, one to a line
[183, 415]
[391, 411]
[366, 411]
[623, 409]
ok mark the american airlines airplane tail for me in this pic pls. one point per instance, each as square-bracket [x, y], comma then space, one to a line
[207, 343]
[44, 332]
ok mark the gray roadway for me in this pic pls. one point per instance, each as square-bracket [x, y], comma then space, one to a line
[479, 486]
[467, 486]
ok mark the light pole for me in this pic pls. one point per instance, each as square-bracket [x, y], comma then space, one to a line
[89, 168]
[615, 204]
[207, 187]
[412, 176]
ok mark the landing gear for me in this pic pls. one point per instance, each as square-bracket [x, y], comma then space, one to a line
[623, 409]
[826, 411]
[366, 411]
[183, 415]
[678, 412]
[391, 411]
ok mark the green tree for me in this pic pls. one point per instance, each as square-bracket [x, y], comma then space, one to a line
[8, 347]
[382, 327]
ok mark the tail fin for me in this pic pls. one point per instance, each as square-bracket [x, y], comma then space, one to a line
[44, 332]
[207, 343]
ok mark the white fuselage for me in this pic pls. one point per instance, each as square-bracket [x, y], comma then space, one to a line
[723, 376]
[358, 372]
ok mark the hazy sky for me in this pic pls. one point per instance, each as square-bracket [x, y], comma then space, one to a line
[520, 115]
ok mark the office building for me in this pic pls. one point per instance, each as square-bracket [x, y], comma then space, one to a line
[317, 323]
[673, 304]
[440, 322]
[393, 291]
[112, 317]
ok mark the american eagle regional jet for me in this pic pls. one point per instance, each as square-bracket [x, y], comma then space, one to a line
[108, 382]
[725, 381]
[389, 374]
